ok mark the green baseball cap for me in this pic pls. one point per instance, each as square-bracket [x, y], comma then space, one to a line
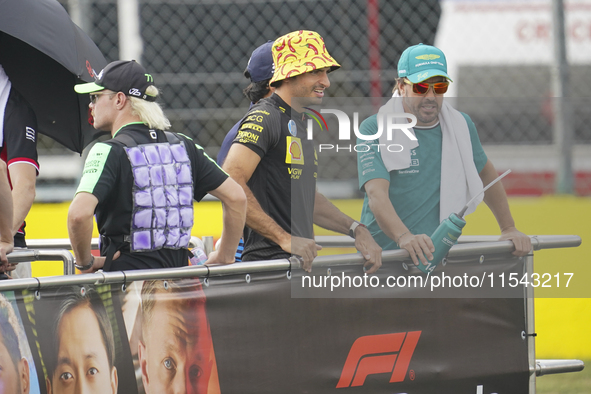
[420, 62]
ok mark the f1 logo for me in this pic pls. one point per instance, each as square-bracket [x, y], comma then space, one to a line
[375, 354]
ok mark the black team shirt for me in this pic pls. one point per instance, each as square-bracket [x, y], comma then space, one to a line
[284, 182]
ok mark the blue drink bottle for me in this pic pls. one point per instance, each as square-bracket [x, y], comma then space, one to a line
[448, 232]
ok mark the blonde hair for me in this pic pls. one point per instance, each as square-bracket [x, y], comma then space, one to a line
[187, 293]
[150, 112]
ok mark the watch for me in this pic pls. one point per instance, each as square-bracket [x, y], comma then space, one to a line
[353, 227]
[87, 266]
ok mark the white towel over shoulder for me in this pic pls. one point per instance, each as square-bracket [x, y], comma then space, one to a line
[4, 93]
[459, 178]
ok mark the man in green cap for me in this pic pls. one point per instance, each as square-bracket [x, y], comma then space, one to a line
[411, 189]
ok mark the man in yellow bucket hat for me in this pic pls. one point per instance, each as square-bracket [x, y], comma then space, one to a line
[276, 164]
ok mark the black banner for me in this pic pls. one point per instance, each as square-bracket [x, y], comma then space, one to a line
[233, 335]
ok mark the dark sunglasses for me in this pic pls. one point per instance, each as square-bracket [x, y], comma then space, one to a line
[95, 96]
[423, 87]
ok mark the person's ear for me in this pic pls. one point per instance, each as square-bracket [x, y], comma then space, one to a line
[48, 385]
[401, 87]
[120, 100]
[143, 359]
[23, 366]
[114, 380]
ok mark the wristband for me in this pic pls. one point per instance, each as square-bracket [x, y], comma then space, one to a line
[353, 227]
[87, 266]
[401, 235]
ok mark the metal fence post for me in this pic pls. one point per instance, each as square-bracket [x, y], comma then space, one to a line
[208, 244]
[530, 324]
[130, 39]
[563, 129]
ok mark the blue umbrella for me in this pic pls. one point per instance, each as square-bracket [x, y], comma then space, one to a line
[45, 54]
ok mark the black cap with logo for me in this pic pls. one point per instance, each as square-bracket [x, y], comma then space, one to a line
[125, 76]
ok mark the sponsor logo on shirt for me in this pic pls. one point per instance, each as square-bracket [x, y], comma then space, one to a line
[292, 127]
[294, 153]
[408, 171]
[259, 111]
[246, 137]
[30, 133]
[252, 126]
[295, 172]
[93, 164]
[254, 118]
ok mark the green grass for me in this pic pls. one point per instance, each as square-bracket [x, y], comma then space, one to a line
[566, 383]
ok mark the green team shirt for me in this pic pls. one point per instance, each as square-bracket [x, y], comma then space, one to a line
[414, 191]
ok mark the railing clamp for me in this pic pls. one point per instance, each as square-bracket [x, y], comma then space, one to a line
[38, 291]
[124, 286]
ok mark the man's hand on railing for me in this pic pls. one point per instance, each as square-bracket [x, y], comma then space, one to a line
[521, 241]
[369, 249]
[6, 248]
[216, 258]
[307, 249]
[99, 263]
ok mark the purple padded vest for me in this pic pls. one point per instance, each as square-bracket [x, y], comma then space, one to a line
[162, 215]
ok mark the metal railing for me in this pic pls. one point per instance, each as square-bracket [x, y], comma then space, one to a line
[547, 367]
[56, 243]
[66, 256]
[59, 249]
[469, 246]
[538, 241]
[462, 250]
[64, 243]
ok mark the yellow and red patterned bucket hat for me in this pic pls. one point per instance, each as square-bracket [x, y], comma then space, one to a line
[300, 52]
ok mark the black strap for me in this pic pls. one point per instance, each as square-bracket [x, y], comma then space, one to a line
[128, 140]
[110, 246]
[172, 138]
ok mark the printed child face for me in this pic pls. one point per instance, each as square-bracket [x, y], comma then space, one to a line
[174, 357]
[9, 379]
[82, 361]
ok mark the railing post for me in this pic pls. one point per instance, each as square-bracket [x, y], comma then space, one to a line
[530, 324]
[208, 244]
